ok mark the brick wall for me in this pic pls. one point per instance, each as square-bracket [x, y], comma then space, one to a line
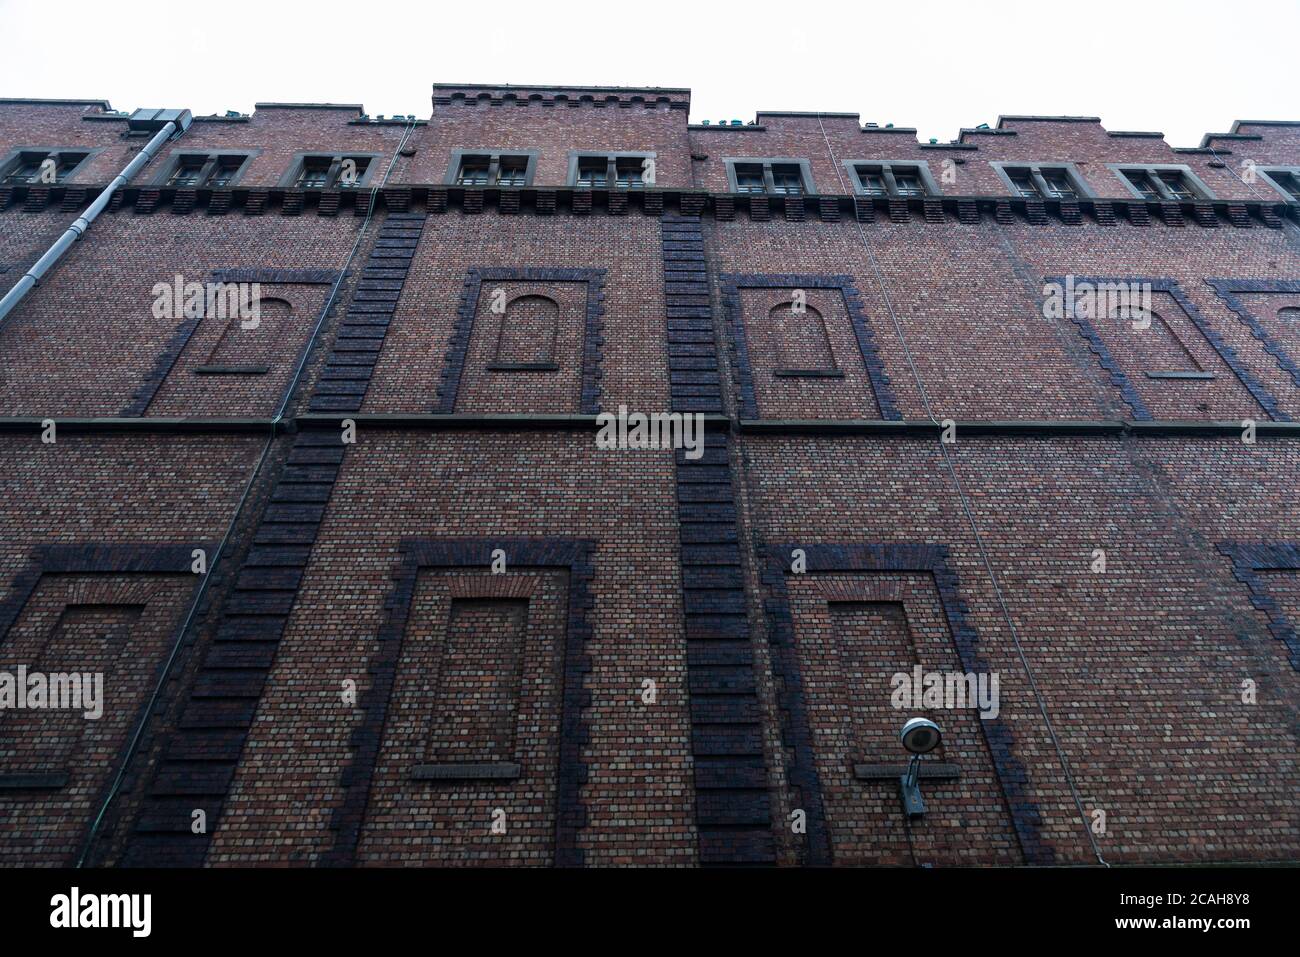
[655, 676]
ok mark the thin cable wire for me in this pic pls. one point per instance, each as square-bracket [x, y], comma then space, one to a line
[225, 538]
[961, 495]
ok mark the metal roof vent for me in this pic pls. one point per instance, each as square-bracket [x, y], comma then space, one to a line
[151, 121]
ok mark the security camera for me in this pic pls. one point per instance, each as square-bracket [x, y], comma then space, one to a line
[920, 735]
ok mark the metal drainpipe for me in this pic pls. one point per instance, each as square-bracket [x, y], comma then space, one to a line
[74, 232]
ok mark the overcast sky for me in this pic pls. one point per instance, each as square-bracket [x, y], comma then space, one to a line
[1184, 68]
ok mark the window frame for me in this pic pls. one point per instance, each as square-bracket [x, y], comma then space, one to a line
[1200, 192]
[12, 160]
[887, 171]
[1293, 171]
[493, 156]
[576, 157]
[766, 163]
[1035, 170]
[300, 160]
[211, 162]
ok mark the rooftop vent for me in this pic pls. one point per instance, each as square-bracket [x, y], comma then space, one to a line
[151, 121]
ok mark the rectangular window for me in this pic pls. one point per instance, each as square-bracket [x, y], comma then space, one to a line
[1177, 186]
[315, 173]
[630, 173]
[26, 170]
[1287, 181]
[1141, 181]
[593, 172]
[886, 178]
[492, 169]
[872, 182]
[189, 172]
[194, 171]
[1043, 180]
[513, 171]
[352, 170]
[787, 180]
[224, 171]
[473, 171]
[1059, 185]
[29, 166]
[69, 162]
[623, 170]
[1023, 183]
[331, 172]
[908, 183]
[780, 177]
[749, 179]
[1168, 183]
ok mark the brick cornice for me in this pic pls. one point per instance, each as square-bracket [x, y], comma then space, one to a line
[543, 200]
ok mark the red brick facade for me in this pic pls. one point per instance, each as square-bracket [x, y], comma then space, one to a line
[433, 623]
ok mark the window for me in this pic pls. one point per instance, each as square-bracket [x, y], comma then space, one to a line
[1177, 186]
[189, 171]
[591, 172]
[193, 170]
[873, 184]
[473, 171]
[787, 180]
[513, 171]
[779, 176]
[1059, 185]
[1140, 180]
[314, 171]
[883, 178]
[491, 168]
[351, 171]
[1023, 183]
[619, 170]
[909, 184]
[630, 173]
[223, 174]
[26, 170]
[1285, 181]
[29, 166]
[1162, 182]
[749, 179]
[1043, 180]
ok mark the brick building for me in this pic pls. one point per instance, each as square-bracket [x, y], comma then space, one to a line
[281, 541]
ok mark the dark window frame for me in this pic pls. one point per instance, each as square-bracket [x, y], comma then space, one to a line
[1153, 172]
[36, 155]
[767, 163]
[1293, 172]
[577, 158]
[1009, 171]
[493, 156]
[888, 171]
[209, 163]
[300, 162]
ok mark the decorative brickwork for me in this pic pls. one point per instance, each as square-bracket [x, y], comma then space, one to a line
[731, 286]
[576, 557]
[796, 730]
[1251, 558]
[458, 350]
[1229, 291]
[1119, 378]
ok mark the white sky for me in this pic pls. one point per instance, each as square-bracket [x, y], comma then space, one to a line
[1184, 68]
